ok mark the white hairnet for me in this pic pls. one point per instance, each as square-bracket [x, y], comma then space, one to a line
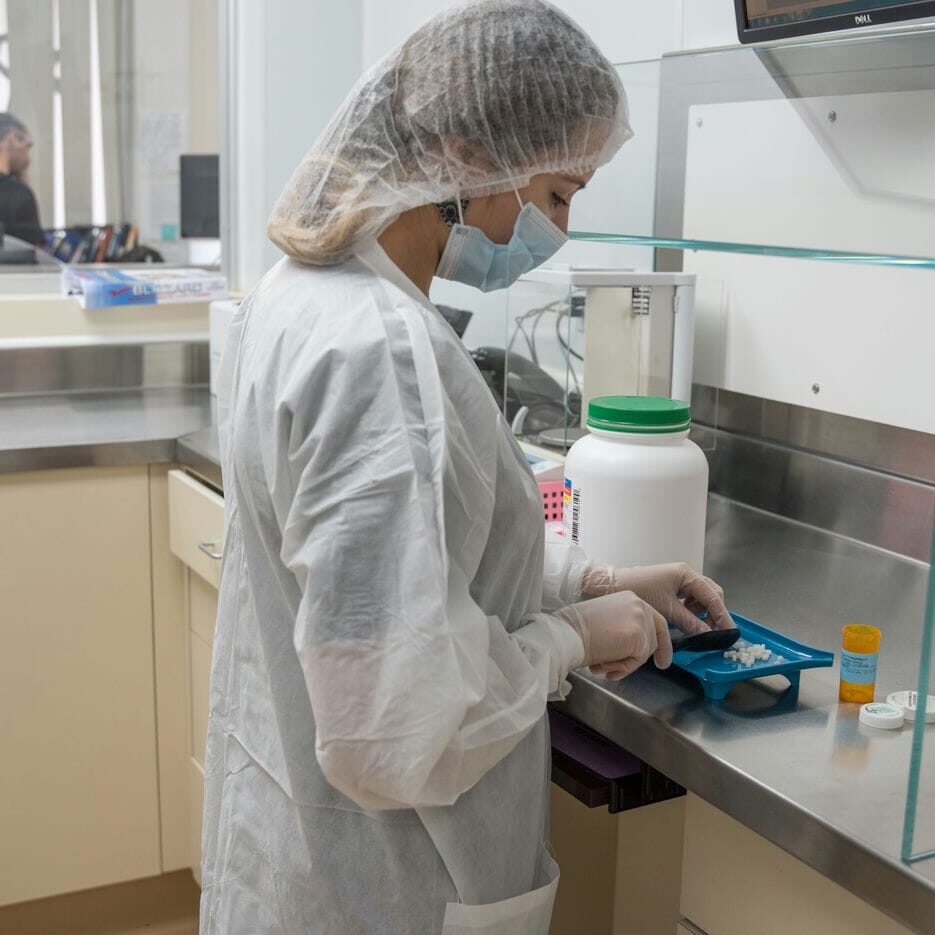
[477, 101]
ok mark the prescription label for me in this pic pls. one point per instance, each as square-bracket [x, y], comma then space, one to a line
[859, 668]
[571, 510]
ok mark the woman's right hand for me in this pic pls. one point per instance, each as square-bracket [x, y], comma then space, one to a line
[620, 631]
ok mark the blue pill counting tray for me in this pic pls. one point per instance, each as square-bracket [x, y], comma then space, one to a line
[718, 674]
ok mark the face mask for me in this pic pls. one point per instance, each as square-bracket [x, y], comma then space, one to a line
[471, 257]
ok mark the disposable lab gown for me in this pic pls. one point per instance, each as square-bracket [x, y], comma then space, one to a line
[378, 753]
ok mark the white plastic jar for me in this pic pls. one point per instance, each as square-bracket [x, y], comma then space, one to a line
[636, 488]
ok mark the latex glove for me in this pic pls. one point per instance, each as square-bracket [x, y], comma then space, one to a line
[619, 632]
[664, 587]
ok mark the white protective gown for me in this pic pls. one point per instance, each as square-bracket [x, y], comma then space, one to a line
[378, 752]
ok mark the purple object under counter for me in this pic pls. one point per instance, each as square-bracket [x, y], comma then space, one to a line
[586, 747]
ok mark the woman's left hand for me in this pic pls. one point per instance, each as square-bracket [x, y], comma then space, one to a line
[665, 587]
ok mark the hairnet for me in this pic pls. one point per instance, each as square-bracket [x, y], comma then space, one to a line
[477, 101]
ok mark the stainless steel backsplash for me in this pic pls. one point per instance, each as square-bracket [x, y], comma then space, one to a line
[108, 366]
[870, 482]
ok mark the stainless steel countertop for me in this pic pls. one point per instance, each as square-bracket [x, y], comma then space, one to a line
[799, 771]
[98, 428]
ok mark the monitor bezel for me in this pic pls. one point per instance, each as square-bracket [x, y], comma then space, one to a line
[885, 15]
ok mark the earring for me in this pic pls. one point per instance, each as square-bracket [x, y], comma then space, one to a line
[449, 211]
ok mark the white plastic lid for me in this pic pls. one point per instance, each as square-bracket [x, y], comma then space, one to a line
[885, 716]
[908, 701]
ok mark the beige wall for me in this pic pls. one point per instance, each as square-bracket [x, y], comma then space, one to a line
[175, 78]
[204, 73]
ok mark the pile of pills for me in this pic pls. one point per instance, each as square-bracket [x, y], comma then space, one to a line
[748, 654]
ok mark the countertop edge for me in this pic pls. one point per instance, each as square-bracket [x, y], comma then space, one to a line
[884, 883]
[191, 456]
[92, 454]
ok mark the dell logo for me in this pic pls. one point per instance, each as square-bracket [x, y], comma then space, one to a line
[863, 19]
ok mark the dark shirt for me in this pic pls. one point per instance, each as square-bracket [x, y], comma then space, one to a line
[19, 214]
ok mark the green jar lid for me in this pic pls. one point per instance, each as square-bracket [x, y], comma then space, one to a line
[639, 415]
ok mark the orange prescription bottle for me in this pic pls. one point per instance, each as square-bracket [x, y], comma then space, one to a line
[860, 649]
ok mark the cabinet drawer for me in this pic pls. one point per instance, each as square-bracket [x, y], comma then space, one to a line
[196, 525]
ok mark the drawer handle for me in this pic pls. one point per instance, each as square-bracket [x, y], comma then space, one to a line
[210, 549]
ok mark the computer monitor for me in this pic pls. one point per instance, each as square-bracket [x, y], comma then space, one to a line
[765, 20]
[200, 195]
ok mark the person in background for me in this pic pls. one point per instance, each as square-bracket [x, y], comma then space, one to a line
[392, 620]
[19, 213]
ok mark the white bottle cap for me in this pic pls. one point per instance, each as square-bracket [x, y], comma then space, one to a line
[885, 716]
[908, 701]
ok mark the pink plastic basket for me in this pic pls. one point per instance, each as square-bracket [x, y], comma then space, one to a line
[552, 491]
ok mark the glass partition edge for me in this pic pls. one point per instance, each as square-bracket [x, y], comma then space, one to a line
[919, 724]
[717, 246]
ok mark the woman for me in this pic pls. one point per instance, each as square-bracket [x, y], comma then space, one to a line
[391, 623]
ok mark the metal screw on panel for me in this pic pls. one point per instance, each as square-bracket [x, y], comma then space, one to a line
[833, 116]
[699, 122]
[816, 389]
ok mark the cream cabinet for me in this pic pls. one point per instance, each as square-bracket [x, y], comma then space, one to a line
[80, 802]
[196, 529]
[762, 877]
[659, 869]
[621, 874]
[202, 602]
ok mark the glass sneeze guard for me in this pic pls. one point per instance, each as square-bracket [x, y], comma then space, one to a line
[753, 249]
[799, 175]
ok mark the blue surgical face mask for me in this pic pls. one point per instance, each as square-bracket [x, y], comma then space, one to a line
[471, 257]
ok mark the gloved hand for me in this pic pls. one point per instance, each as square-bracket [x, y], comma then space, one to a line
[620, 632]
[664, 587]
